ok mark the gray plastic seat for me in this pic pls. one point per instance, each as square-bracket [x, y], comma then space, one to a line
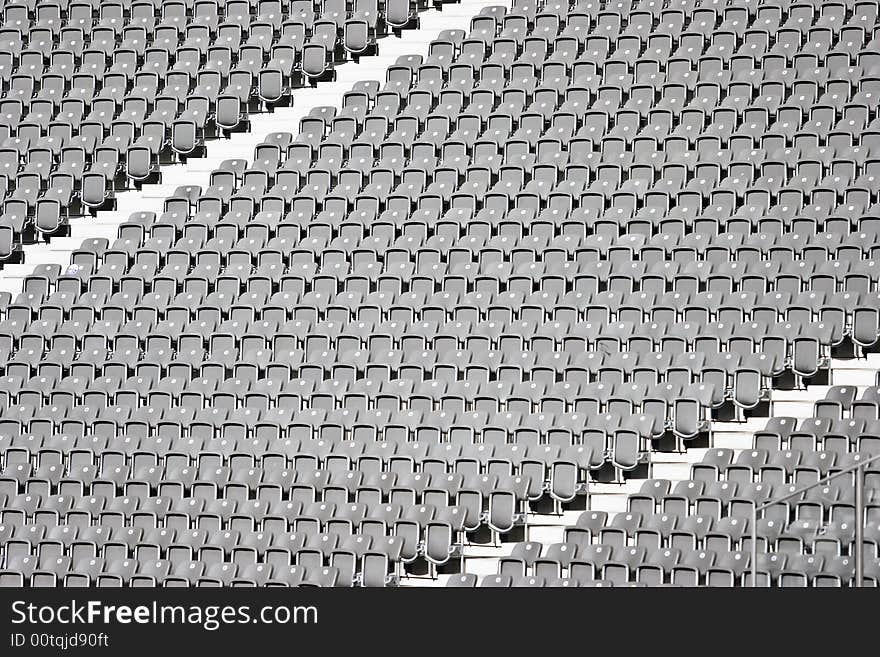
[314, 57]
[356, 36]
[398, 13]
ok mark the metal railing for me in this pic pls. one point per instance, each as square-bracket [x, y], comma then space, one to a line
[859, 468]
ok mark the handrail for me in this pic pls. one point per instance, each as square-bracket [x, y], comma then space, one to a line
[859, 504]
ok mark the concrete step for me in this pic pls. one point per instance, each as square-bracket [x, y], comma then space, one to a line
[483, 560]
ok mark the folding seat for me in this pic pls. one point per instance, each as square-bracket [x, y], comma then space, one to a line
[556, 560]
[590, 559]
[728, 569]
[623, 525]
[464, 580]
[692, 567]
[865, 327]
[27, 188]
[649, 496]
[799, 569]
[522, 558]
[48, 217]
[626, 451]
[496, 581]
[356, 35]
[625, 564]
[837, 400]
[439, 547]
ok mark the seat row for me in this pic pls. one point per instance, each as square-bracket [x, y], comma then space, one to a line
[96, 98]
